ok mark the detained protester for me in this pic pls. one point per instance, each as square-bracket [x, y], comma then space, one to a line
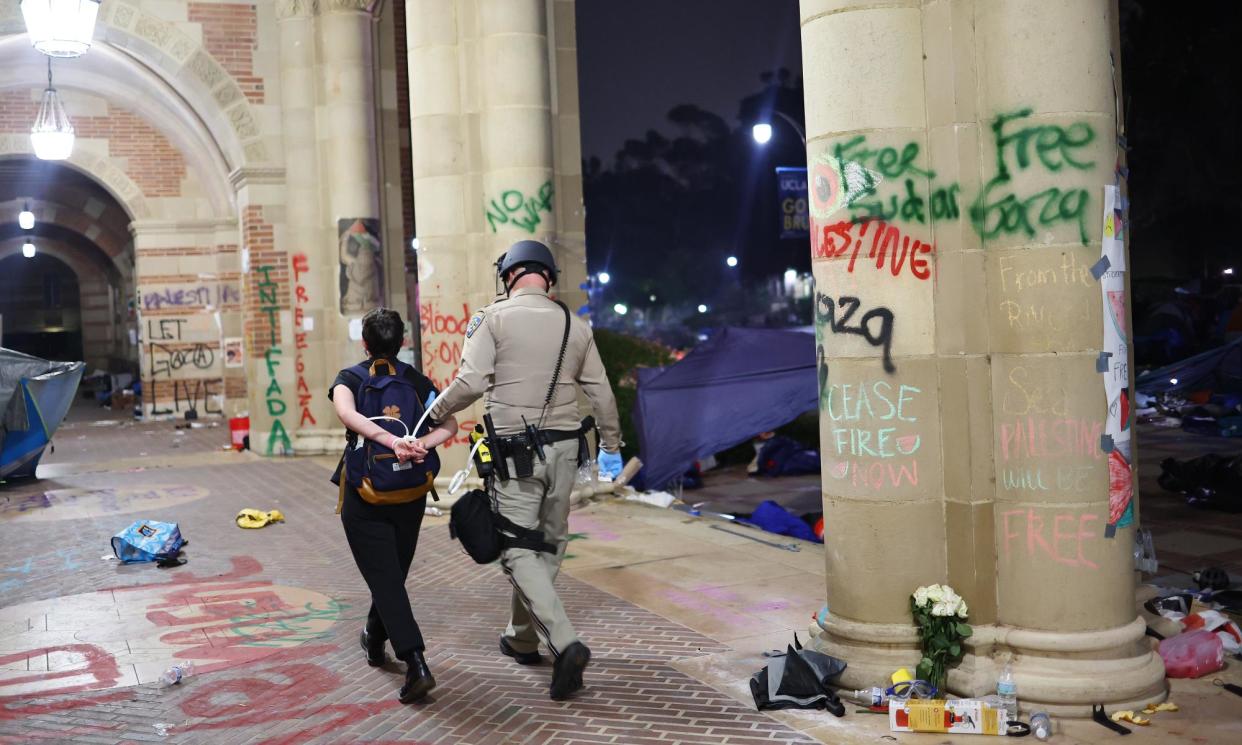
[526, 352]
[384, 478]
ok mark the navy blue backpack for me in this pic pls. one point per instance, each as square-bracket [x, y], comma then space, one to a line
[391, 401]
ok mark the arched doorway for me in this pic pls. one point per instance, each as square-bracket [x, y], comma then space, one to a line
[67, 302]
[40, 307]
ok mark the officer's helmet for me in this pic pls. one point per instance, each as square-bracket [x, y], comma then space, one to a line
[527, 252]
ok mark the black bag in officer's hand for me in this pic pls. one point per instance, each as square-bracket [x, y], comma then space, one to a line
[473, 522]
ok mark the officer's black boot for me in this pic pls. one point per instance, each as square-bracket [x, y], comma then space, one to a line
[567, 672]
[373, 646]
[418, 680]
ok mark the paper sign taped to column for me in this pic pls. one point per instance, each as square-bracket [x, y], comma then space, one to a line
[355, 329]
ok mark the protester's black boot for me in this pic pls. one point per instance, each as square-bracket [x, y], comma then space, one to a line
[567, 672]
[418, 680]
[373, 647]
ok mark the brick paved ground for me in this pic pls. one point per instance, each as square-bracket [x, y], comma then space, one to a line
[272, 670]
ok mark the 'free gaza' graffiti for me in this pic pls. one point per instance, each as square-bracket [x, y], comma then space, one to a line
[998, 210]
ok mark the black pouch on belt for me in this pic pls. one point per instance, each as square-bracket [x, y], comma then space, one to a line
[523, 454]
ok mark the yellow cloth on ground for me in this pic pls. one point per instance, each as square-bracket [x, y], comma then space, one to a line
[257, 519]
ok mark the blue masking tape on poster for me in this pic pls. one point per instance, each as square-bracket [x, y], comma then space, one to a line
[1101, 266]
[1106, 443]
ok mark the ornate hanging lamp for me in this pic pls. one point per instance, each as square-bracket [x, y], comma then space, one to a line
[52, 134]
[61, 28]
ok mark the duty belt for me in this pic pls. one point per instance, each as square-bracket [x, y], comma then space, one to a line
[523, 448]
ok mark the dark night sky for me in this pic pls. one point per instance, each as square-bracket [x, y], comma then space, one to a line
[639, 58]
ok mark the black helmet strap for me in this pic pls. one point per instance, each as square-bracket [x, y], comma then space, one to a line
[530, 269]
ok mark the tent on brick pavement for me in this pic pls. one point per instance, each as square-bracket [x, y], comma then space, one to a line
[35, 395]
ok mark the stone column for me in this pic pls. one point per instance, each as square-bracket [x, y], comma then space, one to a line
[313, 259]
[959, 152]
[569, 210]
[449, 279]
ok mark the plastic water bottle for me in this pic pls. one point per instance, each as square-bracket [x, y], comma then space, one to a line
[173, 675]
[1007, 690]
[873, 696]
[1041, 725]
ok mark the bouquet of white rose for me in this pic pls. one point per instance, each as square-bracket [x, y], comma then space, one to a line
[939, 612]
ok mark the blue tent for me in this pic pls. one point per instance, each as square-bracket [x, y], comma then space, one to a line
[1218, 370]
[35, 395]
[725, 391]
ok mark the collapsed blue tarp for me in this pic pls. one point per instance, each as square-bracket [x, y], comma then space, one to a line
[35, 395]
[1218, 370]
[725, 391]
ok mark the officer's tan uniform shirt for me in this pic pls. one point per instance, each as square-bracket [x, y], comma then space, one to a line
[509, 354]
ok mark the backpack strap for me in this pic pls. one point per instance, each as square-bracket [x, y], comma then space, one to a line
[522, 537]
[375, 364]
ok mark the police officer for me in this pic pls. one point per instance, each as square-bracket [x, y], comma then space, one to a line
[511, 354]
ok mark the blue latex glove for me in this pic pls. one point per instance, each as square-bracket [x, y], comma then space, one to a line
[609, 464]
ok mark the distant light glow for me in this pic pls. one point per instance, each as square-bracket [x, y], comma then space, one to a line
[702, 308]
[415, 244]
[731, 261]
[791, 276]
[25, 219]
[620, 309]
[762, 133]
[651, 298]
[1173, 381]
[604, 278]
[1228, 270]
[28, 250]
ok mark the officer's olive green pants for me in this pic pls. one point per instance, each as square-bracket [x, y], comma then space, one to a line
[540, 502]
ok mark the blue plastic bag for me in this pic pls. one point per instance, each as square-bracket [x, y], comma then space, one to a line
[148, 540]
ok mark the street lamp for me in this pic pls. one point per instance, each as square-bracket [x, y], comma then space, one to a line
[28, 250]
[762, 132]
[604, 278]
[702, 308]
[25, 219]
[731, 261]
[620, 309]
[60, 28]
[1227, 271]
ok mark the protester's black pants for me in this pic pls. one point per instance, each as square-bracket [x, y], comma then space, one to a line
[382, 539]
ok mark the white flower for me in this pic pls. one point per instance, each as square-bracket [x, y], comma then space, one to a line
[961, 610]
[935, 593]
[920, 597]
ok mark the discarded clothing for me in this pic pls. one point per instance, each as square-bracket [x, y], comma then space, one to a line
[148, 540]
[773, 518]
[784, 456]
[257, 519]
[798, 679]
[1211, 480]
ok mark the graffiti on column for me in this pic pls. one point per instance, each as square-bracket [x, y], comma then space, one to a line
[875, 325]
[518, 209]
[278, 436]
[182, 365]
[300, 267]
[362, 264]
[1021, 146]
[443, 332]
[847, 176]
[873, 433]
[197, 296]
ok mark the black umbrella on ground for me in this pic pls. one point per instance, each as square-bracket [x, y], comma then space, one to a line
[798, 679]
